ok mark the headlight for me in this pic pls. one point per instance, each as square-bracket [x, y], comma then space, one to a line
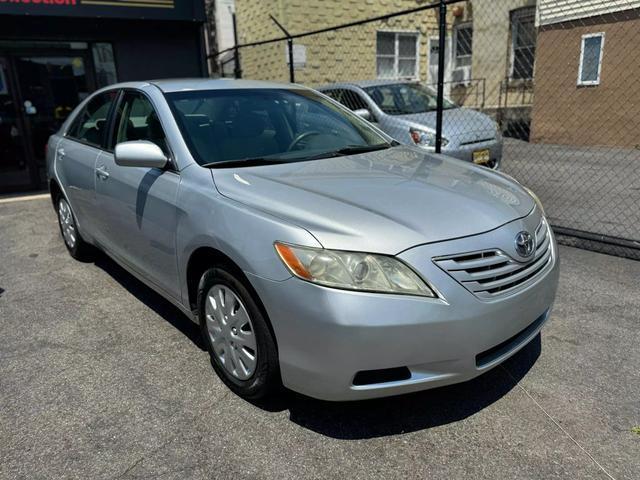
[425, 138]
[352, 270]
[535, 198]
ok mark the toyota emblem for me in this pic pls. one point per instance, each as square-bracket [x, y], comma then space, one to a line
[525, 244]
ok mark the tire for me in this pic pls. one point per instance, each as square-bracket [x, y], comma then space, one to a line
[224, 302]
[77, 247]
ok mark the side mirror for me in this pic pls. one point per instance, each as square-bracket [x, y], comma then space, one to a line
[140, 153]
[363, 113]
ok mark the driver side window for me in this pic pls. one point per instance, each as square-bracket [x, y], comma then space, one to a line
[136, 119]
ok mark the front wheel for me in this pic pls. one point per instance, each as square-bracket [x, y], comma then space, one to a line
[242, 348]
[77, 247]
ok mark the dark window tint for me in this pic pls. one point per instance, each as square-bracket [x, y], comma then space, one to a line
[348, 98]
[405, 98]
[136, 119]
[335, 94]
[247, 123]
[352, 100]
[91, 123]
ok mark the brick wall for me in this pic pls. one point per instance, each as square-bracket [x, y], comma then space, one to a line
[606, 114]
[342, 55]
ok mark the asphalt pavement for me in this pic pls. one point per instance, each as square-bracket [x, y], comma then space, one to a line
[100, 378]
[594, 189]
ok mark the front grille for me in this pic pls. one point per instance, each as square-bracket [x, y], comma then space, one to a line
[491, 273]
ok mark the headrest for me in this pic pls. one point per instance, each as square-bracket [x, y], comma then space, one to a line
[246, 125]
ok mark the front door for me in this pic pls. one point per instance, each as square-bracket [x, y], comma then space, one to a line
[136, 207]
[47, 89]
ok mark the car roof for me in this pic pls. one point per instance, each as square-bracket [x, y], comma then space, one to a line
[193, 84]
[366, 83]
[186, 84]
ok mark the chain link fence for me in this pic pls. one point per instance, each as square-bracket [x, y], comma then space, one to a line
[532, 89]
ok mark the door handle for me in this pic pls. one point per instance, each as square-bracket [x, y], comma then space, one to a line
[102, 173]
[61, 153]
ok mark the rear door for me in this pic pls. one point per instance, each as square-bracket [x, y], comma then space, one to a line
[138, 215]
[76, 156]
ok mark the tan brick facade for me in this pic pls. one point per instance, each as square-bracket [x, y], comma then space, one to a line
[341, 55]
[605, 114]
[350, 54]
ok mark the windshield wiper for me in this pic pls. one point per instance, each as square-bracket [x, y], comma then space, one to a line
[245, 162]
[352, 150]
[258, 161]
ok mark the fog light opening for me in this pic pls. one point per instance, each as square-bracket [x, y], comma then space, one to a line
[384, 375]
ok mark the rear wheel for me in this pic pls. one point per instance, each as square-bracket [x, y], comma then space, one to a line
[77, 247]
[242, 348]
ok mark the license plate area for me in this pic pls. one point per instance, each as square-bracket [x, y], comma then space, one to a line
[481, 157]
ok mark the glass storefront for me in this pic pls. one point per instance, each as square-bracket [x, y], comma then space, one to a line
[40, 84]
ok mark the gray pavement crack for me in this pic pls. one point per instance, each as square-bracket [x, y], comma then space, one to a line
[557, 424]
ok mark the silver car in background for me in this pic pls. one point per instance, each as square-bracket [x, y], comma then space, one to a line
[407, 112]
[312, 249]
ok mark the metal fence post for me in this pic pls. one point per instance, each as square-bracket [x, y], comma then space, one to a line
[292, 75]
[237, 71]
[442, 31]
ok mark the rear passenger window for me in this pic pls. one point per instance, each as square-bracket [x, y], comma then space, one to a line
[335, 94]
[353, 101]
[91, 123]
[348, 98]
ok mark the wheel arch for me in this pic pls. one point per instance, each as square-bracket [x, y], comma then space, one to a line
[204, 258]
[55, 191]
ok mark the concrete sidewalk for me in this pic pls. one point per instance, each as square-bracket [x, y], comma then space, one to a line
[102, 378]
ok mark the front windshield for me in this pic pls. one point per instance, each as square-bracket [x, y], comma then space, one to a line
[405, 98]
[277, 124]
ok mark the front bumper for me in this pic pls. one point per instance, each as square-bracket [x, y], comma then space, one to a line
[465, 151]
[326, 336]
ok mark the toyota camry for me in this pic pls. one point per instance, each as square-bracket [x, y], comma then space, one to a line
[313, 250]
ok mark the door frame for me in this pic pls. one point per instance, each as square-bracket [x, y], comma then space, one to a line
[27, 148]
[9, 56]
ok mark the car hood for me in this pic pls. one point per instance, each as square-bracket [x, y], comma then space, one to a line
[460, 123]
[380, 202]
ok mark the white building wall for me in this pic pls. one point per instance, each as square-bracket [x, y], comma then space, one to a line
[556, 11]
[224, 23]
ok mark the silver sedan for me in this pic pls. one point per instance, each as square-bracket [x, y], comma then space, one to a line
[407, 112]
[313, 250]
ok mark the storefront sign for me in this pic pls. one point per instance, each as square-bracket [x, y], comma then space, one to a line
[299, 55]
[152, 9]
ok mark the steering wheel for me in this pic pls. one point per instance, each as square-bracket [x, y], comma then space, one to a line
[301, 137]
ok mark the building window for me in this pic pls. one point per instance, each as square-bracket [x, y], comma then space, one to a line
[105, 64]
[463, 43]
[523, 43]
[591, 59]
[397, 55]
